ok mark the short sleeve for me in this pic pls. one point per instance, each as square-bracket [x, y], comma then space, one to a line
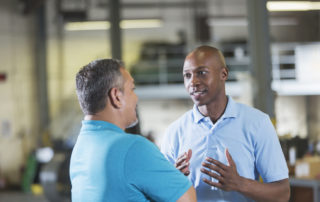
[148, 170]
[270, 161]
[166, 146]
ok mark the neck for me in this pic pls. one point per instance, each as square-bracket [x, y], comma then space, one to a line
[215, 109]
[107, 117]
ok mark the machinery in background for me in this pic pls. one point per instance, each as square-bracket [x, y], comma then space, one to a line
[63, 130]
[162, 62]
[159, 63]
[54, 175]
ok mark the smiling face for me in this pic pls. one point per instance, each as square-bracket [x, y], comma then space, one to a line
[204, 76]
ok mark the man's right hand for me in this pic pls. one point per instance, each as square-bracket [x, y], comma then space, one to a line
[183, 163]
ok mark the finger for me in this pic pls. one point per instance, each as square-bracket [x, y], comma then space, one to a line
[185, 171]
[217, 163]
[182, 156]
[229, 158]
[180, 160]
[214, 184]
[189, 154]
[213, 167]
[212, 174]
[186, 167]
[183, 165]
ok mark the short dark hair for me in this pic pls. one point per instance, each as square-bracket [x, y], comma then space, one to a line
[94, 81]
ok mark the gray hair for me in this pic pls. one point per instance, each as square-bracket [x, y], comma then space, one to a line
[94, 82]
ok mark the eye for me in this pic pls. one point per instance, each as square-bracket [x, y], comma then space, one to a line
[187, 75]
[201, 73]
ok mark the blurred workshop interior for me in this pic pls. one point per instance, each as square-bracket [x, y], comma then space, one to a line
[272, 50]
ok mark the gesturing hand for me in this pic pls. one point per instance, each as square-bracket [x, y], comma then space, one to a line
[227, 176]
[183, 163]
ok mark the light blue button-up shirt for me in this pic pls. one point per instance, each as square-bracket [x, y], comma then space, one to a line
[247, 133]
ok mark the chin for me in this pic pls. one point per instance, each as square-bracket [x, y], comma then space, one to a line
[198, 102]
[134, 123]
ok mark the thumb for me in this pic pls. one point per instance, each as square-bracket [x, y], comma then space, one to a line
[229, 158]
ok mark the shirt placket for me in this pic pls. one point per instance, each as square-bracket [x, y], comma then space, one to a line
[213, 149]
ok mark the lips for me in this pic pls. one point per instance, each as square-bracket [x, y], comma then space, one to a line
[198, 93]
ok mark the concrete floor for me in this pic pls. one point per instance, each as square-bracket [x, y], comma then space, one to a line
[15, 196]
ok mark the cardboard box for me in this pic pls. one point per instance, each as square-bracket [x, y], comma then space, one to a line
[308, 167]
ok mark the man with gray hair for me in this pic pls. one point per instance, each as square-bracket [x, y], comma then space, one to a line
[221, 145]
[108, 164]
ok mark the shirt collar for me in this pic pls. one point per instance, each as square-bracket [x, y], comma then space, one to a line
[230, 112]
[99, 125]
[197, 116]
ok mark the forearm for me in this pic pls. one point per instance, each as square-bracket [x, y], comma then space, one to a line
[189, 196]
[275, 191]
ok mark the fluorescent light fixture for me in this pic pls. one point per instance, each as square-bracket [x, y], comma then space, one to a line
[225, 22]
[105, 25]
[292, 5]
[241, 22]
[88, 25]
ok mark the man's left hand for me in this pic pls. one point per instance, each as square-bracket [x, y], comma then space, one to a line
[227, 175]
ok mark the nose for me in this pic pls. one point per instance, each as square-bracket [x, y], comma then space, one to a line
[194, 81]
[137, 98]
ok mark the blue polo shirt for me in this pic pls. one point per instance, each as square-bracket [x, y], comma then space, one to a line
[247, 133]
[108, 164]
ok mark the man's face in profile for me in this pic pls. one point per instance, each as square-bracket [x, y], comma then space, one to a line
[130, 99]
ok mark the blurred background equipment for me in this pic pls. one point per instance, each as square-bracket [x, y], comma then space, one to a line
[159, 63]
[54, 176]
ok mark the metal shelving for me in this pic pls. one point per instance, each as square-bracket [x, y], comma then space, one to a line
[286, 78]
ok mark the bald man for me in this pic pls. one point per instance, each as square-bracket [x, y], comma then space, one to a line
[224, 146]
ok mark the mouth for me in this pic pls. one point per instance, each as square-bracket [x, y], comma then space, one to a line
[198, 93]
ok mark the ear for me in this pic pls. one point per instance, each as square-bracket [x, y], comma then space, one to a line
[115, 97]
[224, 73]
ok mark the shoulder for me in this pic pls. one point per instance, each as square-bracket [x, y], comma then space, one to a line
[251, 114]
[254, 121]
[130, 138]
[125, 143]
[250, 110]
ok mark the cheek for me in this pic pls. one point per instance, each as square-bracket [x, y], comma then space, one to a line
[186, 83]
[211, 81]
[135, 98]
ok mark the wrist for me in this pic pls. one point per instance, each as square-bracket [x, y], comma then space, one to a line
[242, 185]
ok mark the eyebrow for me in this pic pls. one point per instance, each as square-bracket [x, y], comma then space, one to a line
[198, 68]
